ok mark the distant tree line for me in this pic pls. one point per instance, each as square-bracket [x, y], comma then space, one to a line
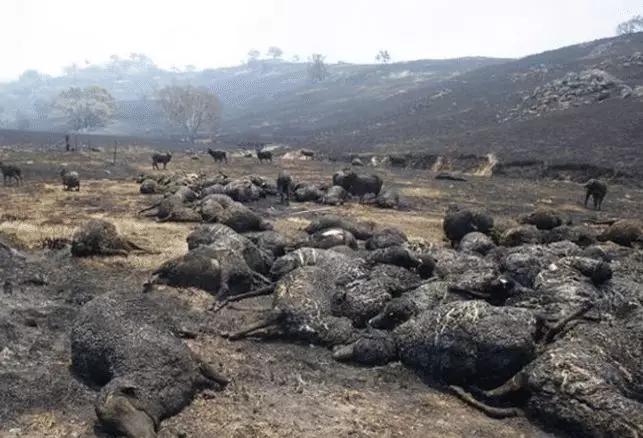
[633, 25]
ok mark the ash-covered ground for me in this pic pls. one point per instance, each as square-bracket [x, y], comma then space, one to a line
[124, 330]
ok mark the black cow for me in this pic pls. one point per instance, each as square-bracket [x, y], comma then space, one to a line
[264, 155]
[10, 172]
[397, 160]
[597, 189]
[218, 156]
[158, 157]
[284, 187]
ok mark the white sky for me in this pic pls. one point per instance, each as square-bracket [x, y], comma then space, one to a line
[49, 34]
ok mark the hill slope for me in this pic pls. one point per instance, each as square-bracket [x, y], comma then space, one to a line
[579, 104]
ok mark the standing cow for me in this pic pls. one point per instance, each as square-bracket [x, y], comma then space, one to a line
[597, 189]
[218, 156]
[158, 157]
[264, 155]
[10, 172]
[284, 187]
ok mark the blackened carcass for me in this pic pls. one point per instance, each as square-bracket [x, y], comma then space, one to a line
[99, 237]
[467, 342]
[360, 230]
[301, 309]
[459, 222]
[125, 346]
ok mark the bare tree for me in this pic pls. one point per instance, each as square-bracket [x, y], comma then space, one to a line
[42, 108]
[253, 55]
[21, 121]
[383, 56]
[633, 25]
[317, 70]
[189, 108]
[275, 52]
[86, 108]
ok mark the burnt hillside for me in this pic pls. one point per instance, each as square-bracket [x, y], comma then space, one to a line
[556, 105]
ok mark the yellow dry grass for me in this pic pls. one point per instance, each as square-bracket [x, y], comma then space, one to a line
[417, 225]
[421, 192]
[29, 219]
[45, 425]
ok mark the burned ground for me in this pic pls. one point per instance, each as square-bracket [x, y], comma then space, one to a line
[278, 388]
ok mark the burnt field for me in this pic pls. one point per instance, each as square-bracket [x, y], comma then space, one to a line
[135, 335]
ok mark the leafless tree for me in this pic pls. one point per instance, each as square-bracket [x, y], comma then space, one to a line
[21, 121]
[189, 108]
[383, 56]
[317, 70]
[253, 55]
[633, 25]
[275, 52]
[42, 108]
[86, 108]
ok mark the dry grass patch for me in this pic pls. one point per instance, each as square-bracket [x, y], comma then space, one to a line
[56, 214]
[46, 424]
[290, 226]
[422, 192]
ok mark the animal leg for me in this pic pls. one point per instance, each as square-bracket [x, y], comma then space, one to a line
[270, 321]
[491, 411]
[134, 247]
[261, 278]
[254, 293]
[113, 252]
[515, 384]
[586, 198]
[560, 325]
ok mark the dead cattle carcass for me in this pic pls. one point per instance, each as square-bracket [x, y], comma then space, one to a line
[124, 345]
[459, 222]
[99, 237]
[301, 309]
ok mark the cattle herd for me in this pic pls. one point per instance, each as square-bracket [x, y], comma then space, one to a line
[536, 316]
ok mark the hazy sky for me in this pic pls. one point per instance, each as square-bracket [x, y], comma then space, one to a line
[49, 34]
